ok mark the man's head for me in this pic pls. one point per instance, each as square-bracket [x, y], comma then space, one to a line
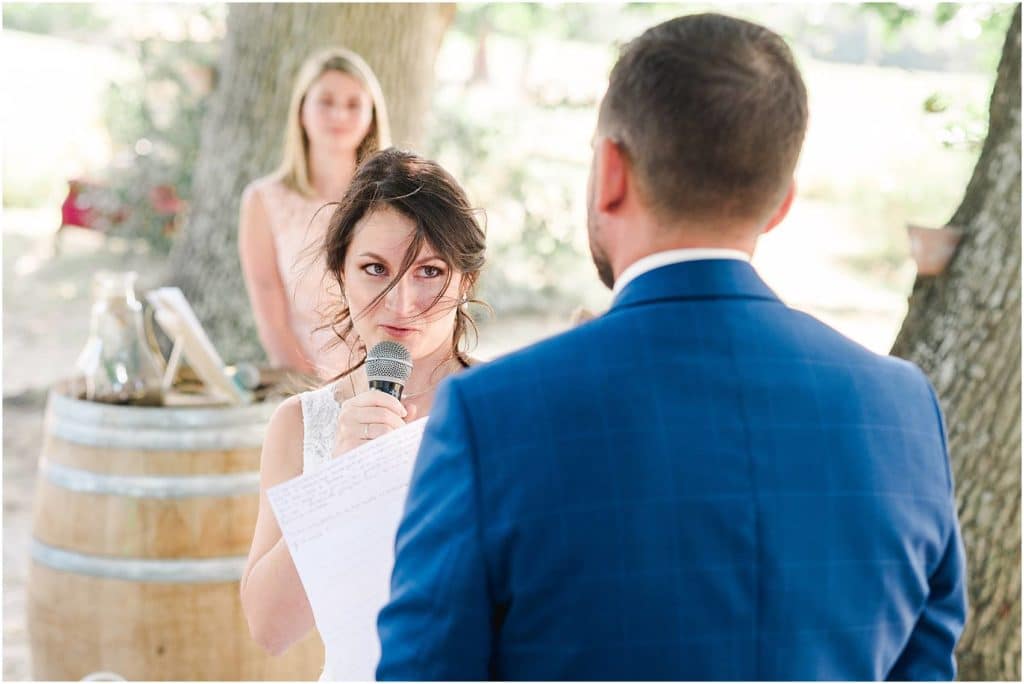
[697, 139]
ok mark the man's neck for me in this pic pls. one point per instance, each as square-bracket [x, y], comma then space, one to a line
[674, 256]
[628, 257]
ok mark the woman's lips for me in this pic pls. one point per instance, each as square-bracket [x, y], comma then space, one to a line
[397, 332]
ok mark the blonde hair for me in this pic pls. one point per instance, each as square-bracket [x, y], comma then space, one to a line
[294, 168]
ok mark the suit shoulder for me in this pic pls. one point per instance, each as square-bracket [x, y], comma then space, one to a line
[844, 344]
[899, 379]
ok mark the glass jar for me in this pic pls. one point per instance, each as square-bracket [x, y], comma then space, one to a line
[118, 364]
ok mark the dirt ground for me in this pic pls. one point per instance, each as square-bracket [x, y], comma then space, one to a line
[46, 302]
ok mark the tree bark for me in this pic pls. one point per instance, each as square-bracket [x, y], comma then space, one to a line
[963, 329]
[242, 131]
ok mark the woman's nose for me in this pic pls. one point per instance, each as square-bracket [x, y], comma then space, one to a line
[338, 112]
[402, 297]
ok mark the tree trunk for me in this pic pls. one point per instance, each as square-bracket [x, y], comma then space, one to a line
[963, 329]
[242, 132]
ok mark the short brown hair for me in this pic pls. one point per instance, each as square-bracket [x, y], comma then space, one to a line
[424, 192]
[711, 112]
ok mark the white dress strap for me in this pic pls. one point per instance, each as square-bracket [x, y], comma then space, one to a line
[320, 413]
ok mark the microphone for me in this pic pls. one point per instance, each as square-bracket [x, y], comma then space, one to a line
[388, 366]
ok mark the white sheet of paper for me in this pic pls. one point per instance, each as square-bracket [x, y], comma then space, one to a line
[339, 523]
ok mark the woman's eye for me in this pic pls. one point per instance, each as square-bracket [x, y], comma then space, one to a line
[432, 271]
[375, 269]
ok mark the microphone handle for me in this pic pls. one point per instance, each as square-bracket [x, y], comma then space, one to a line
[388, 387]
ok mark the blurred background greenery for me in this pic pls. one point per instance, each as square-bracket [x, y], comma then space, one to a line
[898, 110]
[898, 101]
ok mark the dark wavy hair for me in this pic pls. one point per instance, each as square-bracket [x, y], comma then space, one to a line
[424, 192]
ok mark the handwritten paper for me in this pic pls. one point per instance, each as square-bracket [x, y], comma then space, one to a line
[339, 523]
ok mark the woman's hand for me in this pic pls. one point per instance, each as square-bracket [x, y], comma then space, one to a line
[367, 416]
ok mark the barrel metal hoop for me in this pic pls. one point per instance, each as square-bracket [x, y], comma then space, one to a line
[185, 570]
[157, 428]
[150, 486]
[170, 439]
[168, 417]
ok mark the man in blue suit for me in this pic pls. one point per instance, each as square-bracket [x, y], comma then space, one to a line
[701, 483]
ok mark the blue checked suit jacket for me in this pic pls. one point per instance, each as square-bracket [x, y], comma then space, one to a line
[700, 484]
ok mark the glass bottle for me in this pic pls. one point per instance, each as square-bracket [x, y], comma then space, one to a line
[117, 362]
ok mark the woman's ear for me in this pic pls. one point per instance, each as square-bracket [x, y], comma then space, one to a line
[466, 288]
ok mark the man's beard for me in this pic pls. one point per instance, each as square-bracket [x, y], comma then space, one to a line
[597, 253]
[604, 267]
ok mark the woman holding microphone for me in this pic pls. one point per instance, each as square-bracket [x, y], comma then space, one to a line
[405, 250]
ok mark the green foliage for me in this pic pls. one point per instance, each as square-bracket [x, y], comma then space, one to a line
[986, 22]
[895, 17]
[964, 125]
[495, 133]
[154, 123]
[936, 103]
[531, 218]
[576, 21]
[69, 20]
[945, 12]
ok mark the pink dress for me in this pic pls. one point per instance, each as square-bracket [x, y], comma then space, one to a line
[313, 295]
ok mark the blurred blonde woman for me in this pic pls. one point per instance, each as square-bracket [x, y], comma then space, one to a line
[336, 119]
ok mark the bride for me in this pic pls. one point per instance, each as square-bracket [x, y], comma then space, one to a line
[406, 249]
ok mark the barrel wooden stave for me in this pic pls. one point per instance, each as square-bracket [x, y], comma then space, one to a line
[107, 461]
[94, 624]
[143, 528]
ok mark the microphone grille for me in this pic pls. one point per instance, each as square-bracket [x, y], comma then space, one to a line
[389, 361]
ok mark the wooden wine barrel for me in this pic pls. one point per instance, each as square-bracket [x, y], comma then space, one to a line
[141, 525]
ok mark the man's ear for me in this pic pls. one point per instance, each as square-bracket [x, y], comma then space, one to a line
[783, 210]
[610, 180]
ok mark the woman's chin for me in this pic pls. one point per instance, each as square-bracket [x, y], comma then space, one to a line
[337, 145]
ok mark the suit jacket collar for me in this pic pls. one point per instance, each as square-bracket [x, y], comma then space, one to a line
[704, 279]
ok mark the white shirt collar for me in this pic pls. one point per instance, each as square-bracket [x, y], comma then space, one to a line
[672, 256]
